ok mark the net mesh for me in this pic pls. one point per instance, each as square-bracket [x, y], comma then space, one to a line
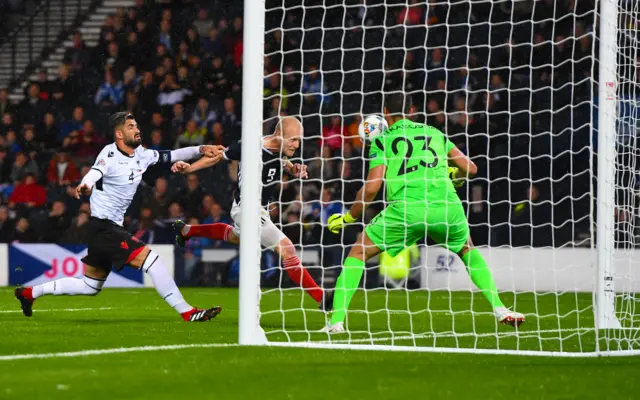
[513, 85]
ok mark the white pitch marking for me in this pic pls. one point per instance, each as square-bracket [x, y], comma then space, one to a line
[59, 310]
[84, 353]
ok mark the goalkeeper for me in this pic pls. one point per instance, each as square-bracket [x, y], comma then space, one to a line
[413, 160]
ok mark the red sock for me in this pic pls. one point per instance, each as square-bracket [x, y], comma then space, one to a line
[217, 231]
[28, 293]
[301, 277]
[187, 315]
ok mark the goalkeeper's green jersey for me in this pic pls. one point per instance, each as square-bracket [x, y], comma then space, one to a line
[416, 159]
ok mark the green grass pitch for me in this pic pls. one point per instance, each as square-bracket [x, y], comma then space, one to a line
[130, 318]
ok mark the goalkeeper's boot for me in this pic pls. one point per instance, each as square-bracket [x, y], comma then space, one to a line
[335, 328]
[508, 317]
[326, 304]
[181, 239]
[198, 315]
[26, 299]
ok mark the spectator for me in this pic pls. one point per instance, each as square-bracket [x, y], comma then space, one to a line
[48, 132]
[29, 143]
[192, 136]
[23, 233]
[203, 24]
[5, 165]
[329, 206]
[191, 196]
[63, 88]
[57, 223]
[230, 120]
[164, 37]
[156, 140]
[62, 171]
[333, 134]
[160, 199]
[78, 231]
[178, 121]
[147, 91]
[145, 231]
[274, 88]
[211, 45]
[77, 56]
[130, 79]
[11, 142]
[313, 90]
[216, 215]
[170, 92]
[8, 124]
[203, 115]
[23, 166]
[175, 212]
[217, 134]
[193, 41]
[110, 94]
[217, 82]
[182, 55]
[32, 108]
[75, 124]
[5, 104]
[193, 251]
[28, 194]
[7, 225]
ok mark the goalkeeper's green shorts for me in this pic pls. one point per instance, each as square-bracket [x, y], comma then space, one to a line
[399, 226]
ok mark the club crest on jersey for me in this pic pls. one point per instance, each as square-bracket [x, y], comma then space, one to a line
[100, 162]
[110, 154]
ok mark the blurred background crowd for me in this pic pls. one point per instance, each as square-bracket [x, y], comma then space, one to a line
[509, 83]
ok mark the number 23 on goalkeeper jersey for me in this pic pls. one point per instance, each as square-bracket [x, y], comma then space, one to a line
[416, 159]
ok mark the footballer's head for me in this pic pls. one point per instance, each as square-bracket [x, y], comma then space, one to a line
[397, 106]
[290, 131]
[125, 129]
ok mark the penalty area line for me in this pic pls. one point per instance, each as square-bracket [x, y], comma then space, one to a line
[117, 350]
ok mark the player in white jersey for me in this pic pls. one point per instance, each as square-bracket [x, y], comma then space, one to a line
[112, 182]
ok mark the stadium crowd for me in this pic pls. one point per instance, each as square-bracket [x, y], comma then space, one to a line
[506, 84]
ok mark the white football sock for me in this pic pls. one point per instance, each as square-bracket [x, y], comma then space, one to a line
[69, 286]
[164, 283]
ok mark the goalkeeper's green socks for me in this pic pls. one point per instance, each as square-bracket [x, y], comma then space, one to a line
[346, 287]
[481, 276]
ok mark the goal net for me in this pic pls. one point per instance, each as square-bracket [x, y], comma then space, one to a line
[541, 95]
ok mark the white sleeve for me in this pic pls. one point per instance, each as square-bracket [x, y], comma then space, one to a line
[152, 157]
[102, 161]
[185, 153]
[93, 176]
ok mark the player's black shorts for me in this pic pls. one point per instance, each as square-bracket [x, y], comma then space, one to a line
[110, 245]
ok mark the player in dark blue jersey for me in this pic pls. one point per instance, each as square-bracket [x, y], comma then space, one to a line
[276, 150]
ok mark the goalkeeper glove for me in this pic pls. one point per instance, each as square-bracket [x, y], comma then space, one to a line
[338, 221]
[457, 182]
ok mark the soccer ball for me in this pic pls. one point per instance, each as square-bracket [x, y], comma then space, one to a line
[372, 126]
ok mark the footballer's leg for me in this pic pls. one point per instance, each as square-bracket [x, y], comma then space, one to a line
[89, 285]
[150, 263]
[448, 227]
[217, 231]
[349, 280]
[481, 276]
[273, 238]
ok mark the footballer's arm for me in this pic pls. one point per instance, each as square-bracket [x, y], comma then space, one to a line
[205, 162]
[368, 191]
[466, 167]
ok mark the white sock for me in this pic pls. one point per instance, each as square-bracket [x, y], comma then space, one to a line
[69, 286]
[164, 283]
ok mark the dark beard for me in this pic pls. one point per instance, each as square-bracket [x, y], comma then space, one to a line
[133, 143]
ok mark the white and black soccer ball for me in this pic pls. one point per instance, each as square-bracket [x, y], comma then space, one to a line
[372, 126]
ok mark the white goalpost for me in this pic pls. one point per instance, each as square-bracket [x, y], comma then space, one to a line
[542, 95]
